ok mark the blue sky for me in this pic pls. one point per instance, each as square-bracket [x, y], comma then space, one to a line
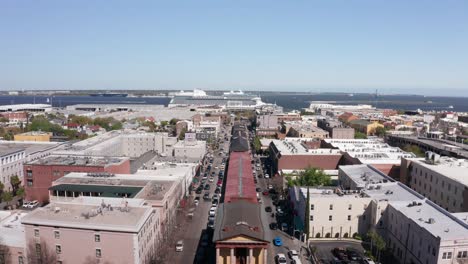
[352, 46]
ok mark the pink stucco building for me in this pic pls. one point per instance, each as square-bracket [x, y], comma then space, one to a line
[94, 230]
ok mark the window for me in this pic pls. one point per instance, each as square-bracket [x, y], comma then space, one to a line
[36, 232]
[349, 218]
[98, 253]
[20, 260]
[38, 249]
[312, 207]
[331, 206]
[330, 218]
[97, 238]
[350, 207]
[58, 249]
[29, 182]
[57, 234]
[449, 255]
[311, 218]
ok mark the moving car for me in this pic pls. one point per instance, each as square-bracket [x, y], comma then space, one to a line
[206, 196]
[278, 241]
[281, 259]
[179, 246]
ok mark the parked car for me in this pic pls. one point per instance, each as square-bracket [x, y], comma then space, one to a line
[179, 246]
[204, 240]
[284, 227]
[292, 253]
[281, 259]
[273, 226]
[33, 204]
[265, 193]
[353, 254]
[210, 224]
[25, 204]
[340, 253]
[277, 241]
[268, 209]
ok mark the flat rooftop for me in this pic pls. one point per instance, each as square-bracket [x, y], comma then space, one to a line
[363, 174]
[11, 229]
[370, 151]
[29, 147]
[296, 147]
[391, 191]
[96, 213]
[145, 185]
[79, 161]
[455, 169]
[444, 225]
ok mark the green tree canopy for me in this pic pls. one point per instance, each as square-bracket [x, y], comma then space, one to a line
[311, 177]
[359, 135]
[15, 183]
[380, 131]
[7, 197]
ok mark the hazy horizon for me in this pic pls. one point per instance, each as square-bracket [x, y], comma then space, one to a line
[403, 47]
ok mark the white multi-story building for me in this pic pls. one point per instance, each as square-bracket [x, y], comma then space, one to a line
[14, 154]
[131, 143]
[11, 164]
[415, 229]
[443, 180]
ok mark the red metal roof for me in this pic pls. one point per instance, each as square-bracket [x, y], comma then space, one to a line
[240, 183]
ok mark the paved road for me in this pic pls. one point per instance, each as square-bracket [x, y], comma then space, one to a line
[288, 243]
[191, 230]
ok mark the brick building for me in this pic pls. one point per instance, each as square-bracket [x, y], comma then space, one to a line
[295, 155]
[40, 173]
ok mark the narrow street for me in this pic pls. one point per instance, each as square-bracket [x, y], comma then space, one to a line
[191, 230]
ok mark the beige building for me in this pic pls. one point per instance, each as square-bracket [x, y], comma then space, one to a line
[33, 136]
[443, 180]
[93, 230]
[415, 229]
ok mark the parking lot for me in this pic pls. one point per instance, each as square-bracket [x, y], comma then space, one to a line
[326, 253]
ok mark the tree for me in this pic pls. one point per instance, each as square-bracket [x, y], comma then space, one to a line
[164, 123]
[359, 135]
[39, 253]
[20, 192]
[414, 149]
[15, 183]
[4, 119]
[257, 144]
[376, 241]
[7, 197]
[173, 121]
[292, 133]
[182, 134]
[380, 131]
[311, 177]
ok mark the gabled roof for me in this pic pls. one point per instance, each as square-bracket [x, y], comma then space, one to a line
[239, 218]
